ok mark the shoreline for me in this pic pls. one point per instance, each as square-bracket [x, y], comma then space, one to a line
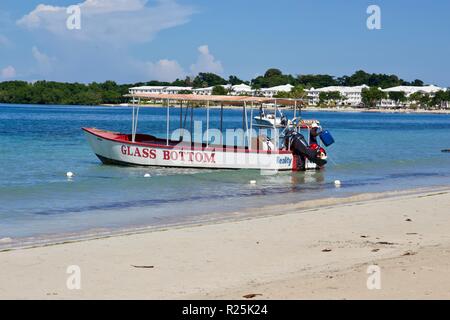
[287, 252]
[308, 109]
[314, 109]
[214, 218]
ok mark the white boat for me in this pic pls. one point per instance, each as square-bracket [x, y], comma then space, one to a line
[257, 152]
[271, 120]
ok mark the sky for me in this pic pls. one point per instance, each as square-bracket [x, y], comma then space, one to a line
[140, 40]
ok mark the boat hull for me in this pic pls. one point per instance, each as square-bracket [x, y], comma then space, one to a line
[118, 149]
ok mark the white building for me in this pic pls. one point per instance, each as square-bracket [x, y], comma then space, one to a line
[159, 89]
[208, 91]
[350, 95]
[236, 90]
[408, 91]
[242, 89]
[270, 92]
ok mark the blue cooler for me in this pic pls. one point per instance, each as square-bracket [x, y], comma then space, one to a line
[326, 138]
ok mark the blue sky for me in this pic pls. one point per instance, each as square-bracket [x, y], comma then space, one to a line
[139, 40]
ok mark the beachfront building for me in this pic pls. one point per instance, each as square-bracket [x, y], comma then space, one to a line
[408, 91]
[273, 91]
[351, 96]
[236, 90]
[241, 90]
[159, 89]
[208, 91]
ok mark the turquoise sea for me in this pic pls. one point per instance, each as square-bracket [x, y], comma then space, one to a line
[373, 152]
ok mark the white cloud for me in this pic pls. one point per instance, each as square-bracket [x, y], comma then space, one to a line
[117, 22]
[43, 15]
[206, 62]
[165, 70]
[169, 70]
[4, 41]
[45, 63]
[8, 72]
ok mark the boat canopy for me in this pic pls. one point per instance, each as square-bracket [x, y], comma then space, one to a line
[244, 101]
[213, 98]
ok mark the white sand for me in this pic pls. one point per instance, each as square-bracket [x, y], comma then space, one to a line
[279, 256]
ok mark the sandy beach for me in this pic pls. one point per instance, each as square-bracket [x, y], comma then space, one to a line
[320, 251]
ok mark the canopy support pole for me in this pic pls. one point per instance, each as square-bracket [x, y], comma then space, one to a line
[295, 108]
[132, 123]
[243, 117]
[221, 124]
[185, 116]
[246, 124]
[192, 123]
[207, 123]
[136, 119]
[181, 119]
[167, 122]
[275, 126]
[251, 127]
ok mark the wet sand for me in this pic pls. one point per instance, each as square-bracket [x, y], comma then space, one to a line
[320, 251]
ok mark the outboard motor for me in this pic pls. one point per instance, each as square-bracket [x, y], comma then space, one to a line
[300, 147]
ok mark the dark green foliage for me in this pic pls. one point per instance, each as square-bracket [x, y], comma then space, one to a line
[272, 78]
[372, 96]
[219, 91]
[206, 79]
[397, 96]
[316, 80]
[109, 92]
[49, 92]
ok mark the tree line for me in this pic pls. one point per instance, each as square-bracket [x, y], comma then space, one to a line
[109, 92]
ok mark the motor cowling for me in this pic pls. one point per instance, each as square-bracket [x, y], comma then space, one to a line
[299, 147]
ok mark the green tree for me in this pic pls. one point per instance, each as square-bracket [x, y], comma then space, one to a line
[233, 80]
[272, 77]
[219, 91]
[415, 98]
[329, 98]
[397, 96]
[334, 96]
[323, 97]
[316, 81]
[417, 83]
[361, 77]
[372, 96]
[298, 92]
[439, 98]
[207, 79]
[425, 101]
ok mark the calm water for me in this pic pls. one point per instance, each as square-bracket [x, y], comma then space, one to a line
[39, 144]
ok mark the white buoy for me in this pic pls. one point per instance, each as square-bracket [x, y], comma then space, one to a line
[69, 174]
[337, 183]
[252, 181]
[147, 175]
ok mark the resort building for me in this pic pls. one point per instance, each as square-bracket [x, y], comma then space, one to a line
[242, 89]
[159, 89]
[408, 91]
[208, 91]
[270, 92]
[236, 90]
[349, 95]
